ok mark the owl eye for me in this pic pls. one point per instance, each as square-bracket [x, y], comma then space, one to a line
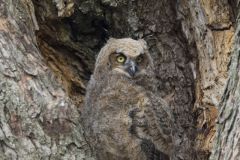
[121, 59]
[139, 59]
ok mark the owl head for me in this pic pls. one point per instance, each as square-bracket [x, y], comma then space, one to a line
[126, 57]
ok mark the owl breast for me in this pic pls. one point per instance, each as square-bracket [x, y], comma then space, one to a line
[113, 121]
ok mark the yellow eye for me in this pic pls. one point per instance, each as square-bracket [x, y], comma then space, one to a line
[121, 59]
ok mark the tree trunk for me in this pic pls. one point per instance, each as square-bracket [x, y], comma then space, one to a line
[227, 144]
[47, 54]
[38, 120]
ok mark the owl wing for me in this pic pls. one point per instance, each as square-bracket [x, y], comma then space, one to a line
[153, 122]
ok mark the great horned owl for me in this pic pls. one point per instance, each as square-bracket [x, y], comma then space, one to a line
[123, 117]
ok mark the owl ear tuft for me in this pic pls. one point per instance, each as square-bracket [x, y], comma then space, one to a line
[143, 43]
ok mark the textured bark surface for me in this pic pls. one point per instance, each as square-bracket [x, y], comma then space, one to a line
[209, 28]
[37, 121]
[47, 54]
[227, 143]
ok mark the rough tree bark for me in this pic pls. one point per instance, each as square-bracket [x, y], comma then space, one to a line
[37, 119]
[227, 145]
[47, 53]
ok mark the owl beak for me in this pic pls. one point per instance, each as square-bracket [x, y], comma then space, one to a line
[132, 68]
